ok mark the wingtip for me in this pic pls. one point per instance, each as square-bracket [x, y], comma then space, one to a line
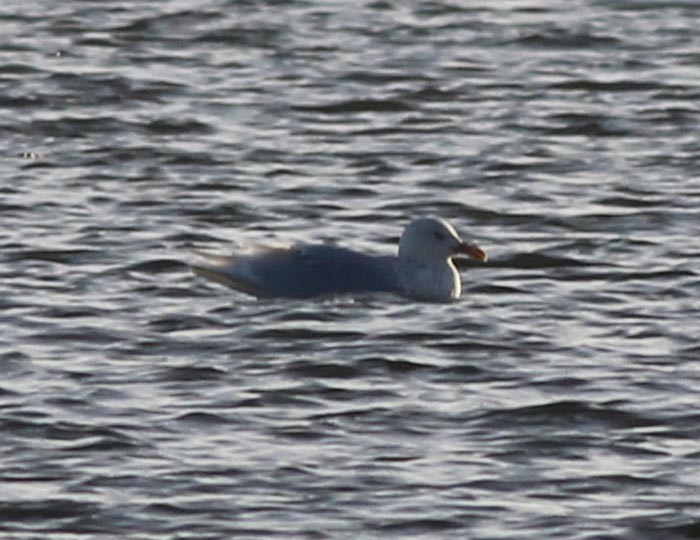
[217, 274]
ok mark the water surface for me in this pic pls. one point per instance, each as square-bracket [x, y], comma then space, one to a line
[556, 399]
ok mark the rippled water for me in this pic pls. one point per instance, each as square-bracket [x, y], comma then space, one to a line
[557, 399]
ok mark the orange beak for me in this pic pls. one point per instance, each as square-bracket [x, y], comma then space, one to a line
[472, 250]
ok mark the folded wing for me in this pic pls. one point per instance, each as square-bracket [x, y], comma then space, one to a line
[302, 272]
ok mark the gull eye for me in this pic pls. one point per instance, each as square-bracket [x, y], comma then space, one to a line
[439, 236]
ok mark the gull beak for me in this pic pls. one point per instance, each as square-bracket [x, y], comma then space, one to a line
[471, 250]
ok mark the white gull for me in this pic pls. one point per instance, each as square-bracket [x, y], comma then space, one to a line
[423, 269]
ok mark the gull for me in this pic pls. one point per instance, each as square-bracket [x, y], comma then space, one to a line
[422, 270]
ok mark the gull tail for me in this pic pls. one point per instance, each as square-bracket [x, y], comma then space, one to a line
[233, 272]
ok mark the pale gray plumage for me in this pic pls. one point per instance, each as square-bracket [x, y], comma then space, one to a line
[423, 269]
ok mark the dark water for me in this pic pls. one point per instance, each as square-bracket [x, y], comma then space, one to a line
[557, 399]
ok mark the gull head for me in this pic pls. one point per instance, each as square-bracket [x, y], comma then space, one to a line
[431, 239]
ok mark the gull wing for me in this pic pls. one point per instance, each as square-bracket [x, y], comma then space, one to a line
[302, 271]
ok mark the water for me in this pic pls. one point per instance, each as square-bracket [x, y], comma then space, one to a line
[556, 399]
